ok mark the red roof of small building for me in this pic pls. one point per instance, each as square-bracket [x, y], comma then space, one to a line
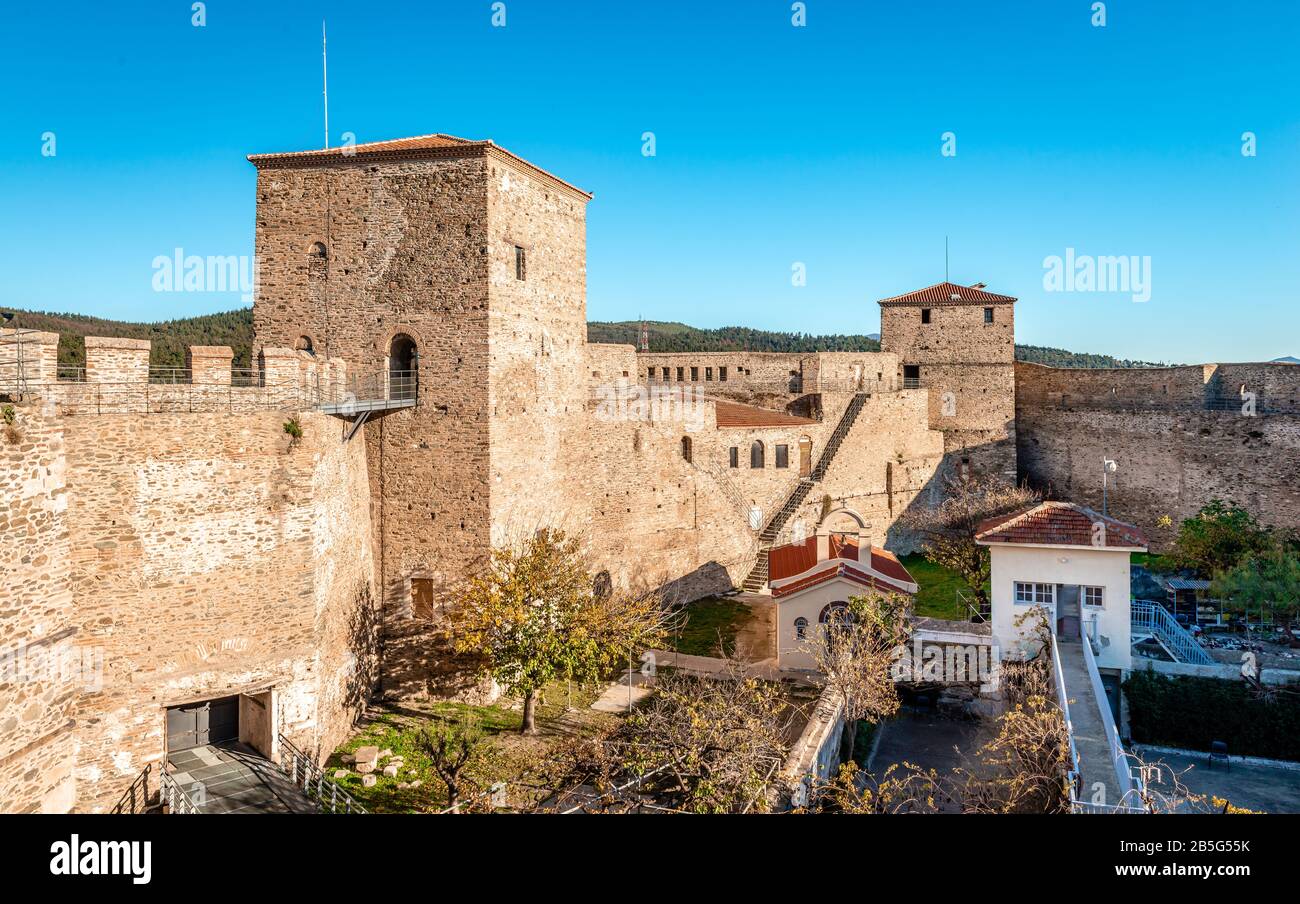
[733, 414]
[942, 294]
[885, 571]
[1059, 524]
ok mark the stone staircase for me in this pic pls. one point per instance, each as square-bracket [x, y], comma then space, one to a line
[757, 578]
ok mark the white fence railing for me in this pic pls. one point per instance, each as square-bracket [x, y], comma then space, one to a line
[1129, 782]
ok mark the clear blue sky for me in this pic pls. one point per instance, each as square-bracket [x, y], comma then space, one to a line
[775, 145]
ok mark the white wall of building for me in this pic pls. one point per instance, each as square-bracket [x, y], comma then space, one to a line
[1065, 565]
[791, 652]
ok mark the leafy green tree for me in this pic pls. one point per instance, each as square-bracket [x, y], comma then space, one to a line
[1218, 538]
[534, 618]
[1268, 580]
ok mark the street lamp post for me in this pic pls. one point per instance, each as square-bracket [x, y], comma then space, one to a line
[1108, 467]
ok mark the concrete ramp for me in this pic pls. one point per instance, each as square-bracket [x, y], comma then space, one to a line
[1088, 724]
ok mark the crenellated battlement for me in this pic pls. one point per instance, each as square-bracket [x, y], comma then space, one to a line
[118, 379]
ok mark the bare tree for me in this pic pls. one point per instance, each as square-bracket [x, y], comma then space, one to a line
[855, 651]
[451, 747]
[697, 744]
[1025, 767]
[948, 530]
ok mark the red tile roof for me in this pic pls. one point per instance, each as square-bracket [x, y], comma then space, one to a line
[733, 414]
[942, 294]
[796, 558]
[1059, 524]
[419, 146]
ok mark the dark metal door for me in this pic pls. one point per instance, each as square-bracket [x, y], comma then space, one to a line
[196, 724]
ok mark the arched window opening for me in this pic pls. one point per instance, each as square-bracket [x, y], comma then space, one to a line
[801, 628]
[318, 250]
[836, 613]
[304, 344]
[756, 454]
[686, 448]
[403, 364]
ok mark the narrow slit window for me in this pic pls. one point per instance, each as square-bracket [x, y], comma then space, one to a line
[521, 263]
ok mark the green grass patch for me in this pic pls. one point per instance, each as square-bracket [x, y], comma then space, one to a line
[937, 596]
[505, 756]
[710, 627]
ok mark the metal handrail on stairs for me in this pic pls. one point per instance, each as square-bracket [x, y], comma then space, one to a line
[1152, 617]
[758, 576]
[306, 775]
[174, 797]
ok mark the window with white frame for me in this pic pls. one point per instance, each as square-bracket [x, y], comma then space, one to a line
[1094, 597]
[1035, 594]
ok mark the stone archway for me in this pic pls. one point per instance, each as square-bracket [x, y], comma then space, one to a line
[844, 520]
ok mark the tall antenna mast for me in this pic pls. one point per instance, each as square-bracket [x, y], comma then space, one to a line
[325, 81]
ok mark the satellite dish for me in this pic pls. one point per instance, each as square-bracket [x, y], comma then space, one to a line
[1111, 465]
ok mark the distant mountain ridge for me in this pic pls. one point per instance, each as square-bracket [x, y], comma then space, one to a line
[234, 328]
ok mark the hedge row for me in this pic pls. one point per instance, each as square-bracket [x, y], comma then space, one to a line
[1190, 712]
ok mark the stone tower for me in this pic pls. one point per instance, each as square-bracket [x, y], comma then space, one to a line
[459, 261]
[959, 343]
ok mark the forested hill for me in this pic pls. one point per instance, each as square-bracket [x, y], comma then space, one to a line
[170, 338]
[235, 328]
[678, 337]
[1059, 357]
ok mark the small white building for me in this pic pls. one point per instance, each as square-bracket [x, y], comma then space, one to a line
[1072, 561]
[811, 579]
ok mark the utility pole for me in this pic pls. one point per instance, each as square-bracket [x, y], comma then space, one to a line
[325, 82]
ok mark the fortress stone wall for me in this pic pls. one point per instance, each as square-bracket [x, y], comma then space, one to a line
[1181, 436]
[167, 529]
[153, 559]
[40, 665]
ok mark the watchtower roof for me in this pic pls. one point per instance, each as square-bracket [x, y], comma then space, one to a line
[946, 293]
[435, 145]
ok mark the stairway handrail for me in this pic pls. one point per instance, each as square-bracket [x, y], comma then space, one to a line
[1126, 778]
[1154, 616]
[312, 780]
[174, 796]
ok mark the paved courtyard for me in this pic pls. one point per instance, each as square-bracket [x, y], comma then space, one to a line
[926, 740]
[1267, 788]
